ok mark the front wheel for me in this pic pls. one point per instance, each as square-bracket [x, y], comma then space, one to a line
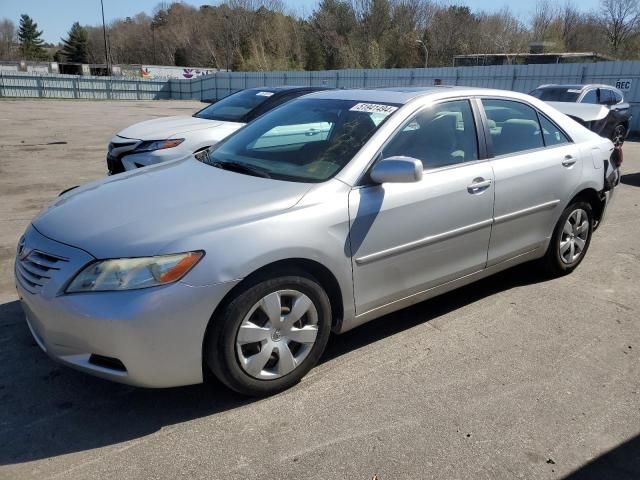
[570, 240]
[270, 335]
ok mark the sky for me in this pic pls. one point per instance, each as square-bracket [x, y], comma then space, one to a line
[55, 17]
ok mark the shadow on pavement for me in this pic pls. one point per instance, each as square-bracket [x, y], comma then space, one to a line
[632, 179]
[621, 463]
[48, 410]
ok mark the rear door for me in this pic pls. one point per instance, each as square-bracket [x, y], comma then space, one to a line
[536, 168]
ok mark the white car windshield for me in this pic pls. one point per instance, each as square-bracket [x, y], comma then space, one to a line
[235, 107]
[305, 140]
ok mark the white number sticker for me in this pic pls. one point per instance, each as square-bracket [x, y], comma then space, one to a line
[373, 108]
[264, 94]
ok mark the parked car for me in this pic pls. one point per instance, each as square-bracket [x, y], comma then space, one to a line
[600, 108]
[242, 263]
[169, 138]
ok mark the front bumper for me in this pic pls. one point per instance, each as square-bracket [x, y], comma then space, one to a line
[156, 333]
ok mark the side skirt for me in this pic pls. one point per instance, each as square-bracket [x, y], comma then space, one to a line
[440, 289]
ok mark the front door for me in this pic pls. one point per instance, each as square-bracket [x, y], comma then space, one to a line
[409, 237]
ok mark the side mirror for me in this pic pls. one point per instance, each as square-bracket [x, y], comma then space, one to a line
[397, 169]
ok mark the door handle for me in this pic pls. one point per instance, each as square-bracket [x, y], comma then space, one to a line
[568, 161]
[478, 185]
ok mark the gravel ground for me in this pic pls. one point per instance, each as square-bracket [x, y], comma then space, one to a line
[512, 377]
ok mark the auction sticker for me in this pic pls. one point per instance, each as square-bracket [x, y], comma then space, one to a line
[373, 108]
[264, 94]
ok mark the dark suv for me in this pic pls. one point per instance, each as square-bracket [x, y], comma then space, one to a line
[613, 124]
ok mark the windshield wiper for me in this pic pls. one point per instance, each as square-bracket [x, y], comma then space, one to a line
[240, 168]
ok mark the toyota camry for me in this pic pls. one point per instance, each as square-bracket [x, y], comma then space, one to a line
[327, 212]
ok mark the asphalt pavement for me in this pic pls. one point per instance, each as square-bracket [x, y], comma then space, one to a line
[515, 376]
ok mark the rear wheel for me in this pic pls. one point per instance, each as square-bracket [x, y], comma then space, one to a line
[618, 135]
[270, 335]
[570, 240]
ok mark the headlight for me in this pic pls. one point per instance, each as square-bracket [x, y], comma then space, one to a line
[132, 273]
[158, 145]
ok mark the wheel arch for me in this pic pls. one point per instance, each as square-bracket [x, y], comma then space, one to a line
[296, 266]
[592, 197]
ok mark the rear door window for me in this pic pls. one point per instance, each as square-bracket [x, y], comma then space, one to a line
[590, 97]
[618, 96]
[551, 133]
[514, 126]
[606, 97]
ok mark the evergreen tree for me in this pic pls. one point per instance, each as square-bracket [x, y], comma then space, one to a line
[30, 41]
[75, 47]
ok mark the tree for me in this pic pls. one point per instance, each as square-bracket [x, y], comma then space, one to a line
[543, 18]
[30, 39]
[7, 38]
[75, 46]
[621, 21]
[571, 20]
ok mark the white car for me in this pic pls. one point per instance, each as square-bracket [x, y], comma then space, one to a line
[171, 138]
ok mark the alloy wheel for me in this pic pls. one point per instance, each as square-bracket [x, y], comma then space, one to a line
[574, 236]
[618, 135]
[277, 334]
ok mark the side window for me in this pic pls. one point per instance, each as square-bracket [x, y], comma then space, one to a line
[606, 97]
[590, 97]
[513, 126]
[618, 96]
[552, 134]
[441, 135]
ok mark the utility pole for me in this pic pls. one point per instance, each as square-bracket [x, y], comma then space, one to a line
[426, 52]
[104, 35]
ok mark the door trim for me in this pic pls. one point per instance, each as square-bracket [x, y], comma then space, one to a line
[526, 211]
[422, 242]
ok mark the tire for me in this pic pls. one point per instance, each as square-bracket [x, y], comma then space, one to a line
[260, 342]
[575, 226]
[619, 134]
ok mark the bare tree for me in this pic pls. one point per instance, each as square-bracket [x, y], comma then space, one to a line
[621, 21]
[7, 39]
[543, 17]
[570, 19]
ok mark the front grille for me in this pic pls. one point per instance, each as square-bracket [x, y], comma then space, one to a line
[114, 165]
[117, 150]
[35, 270]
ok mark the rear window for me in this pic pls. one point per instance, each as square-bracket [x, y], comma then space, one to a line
[235, 107]
[556, 94]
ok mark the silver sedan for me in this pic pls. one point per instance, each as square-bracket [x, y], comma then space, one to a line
[327, 212]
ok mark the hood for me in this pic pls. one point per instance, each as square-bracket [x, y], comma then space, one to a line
[140, 212]
[168, 127]
[586, 112]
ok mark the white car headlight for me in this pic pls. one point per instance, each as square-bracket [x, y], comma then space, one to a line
[150, 146]
[133, 273]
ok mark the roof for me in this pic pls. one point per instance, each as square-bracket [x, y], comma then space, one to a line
[523, 54]
[288, 88]
[398, 95]
[574, 86]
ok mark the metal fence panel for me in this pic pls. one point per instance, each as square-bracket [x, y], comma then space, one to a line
[29, 85]
[521, 78]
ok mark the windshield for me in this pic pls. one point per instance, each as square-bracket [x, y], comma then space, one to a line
[234, 107]
[305, 140]
[557, 94]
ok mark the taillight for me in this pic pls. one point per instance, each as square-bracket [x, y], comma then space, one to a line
[617, 157]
